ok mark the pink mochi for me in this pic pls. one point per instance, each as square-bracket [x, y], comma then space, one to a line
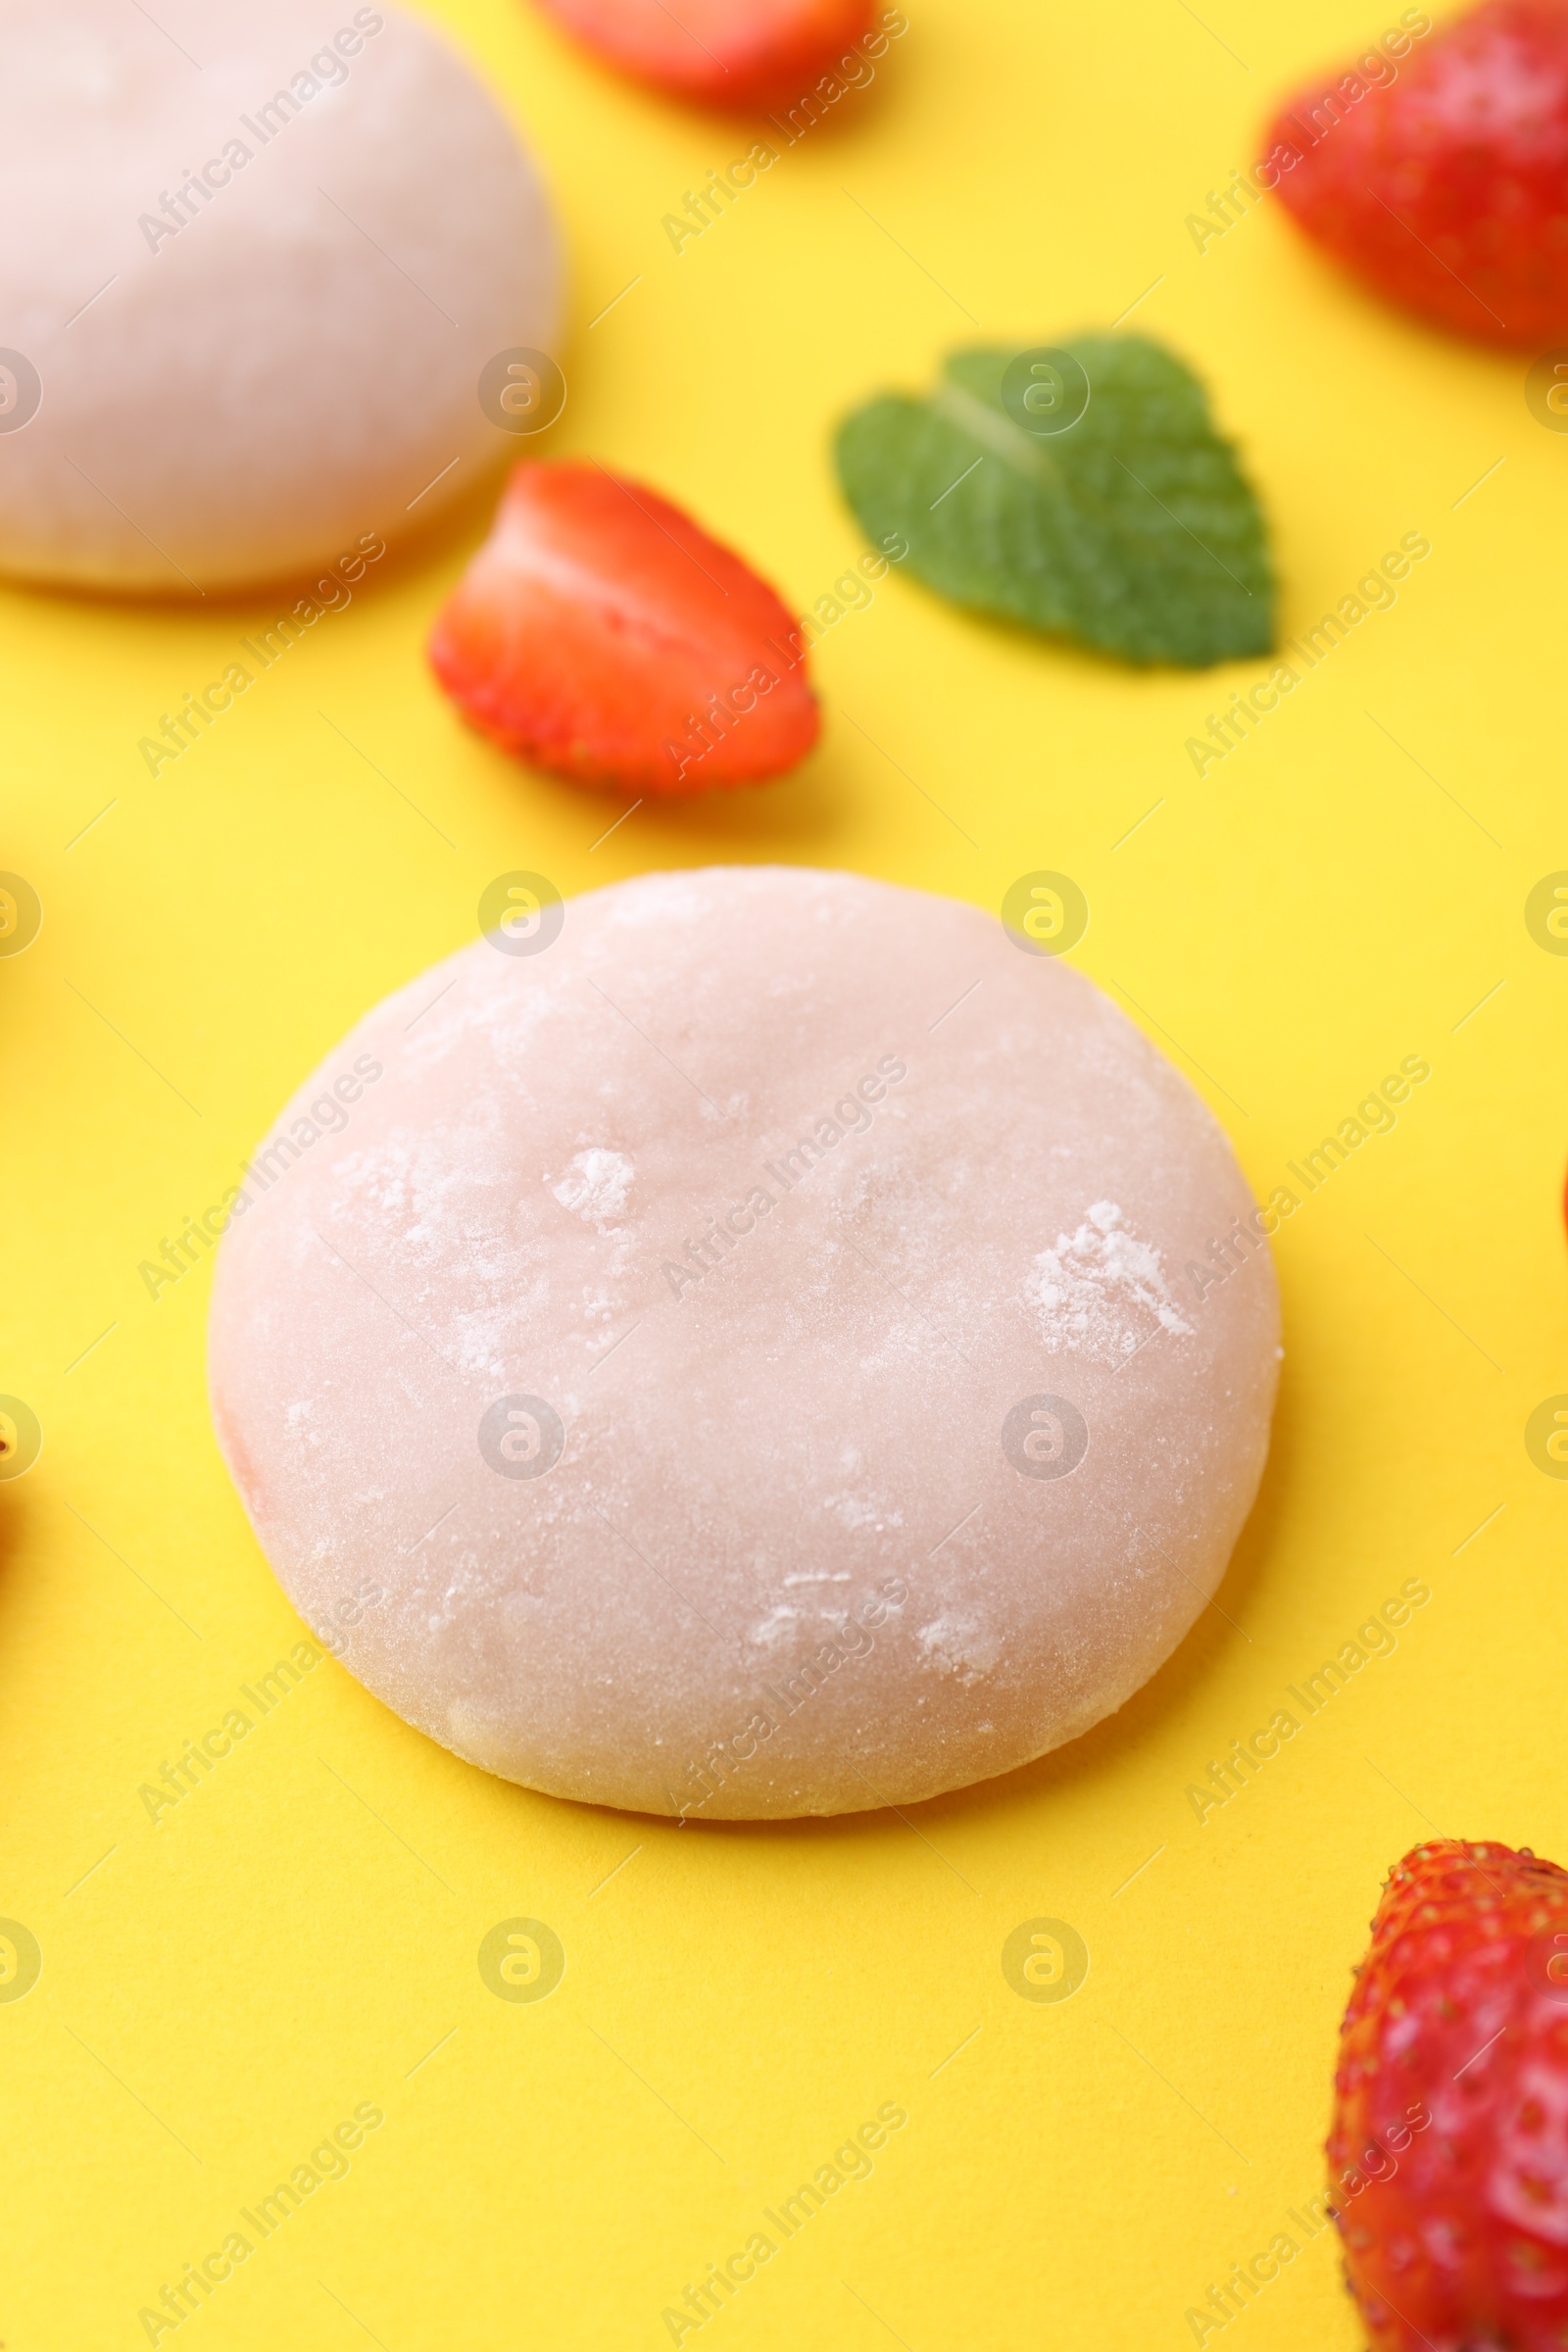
[258, 255]
[747, 1343]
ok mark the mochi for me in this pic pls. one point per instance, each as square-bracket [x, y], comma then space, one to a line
[746, 1342]
[257, 260]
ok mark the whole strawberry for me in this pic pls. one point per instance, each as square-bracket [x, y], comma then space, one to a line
[1448, 2152]
[1443, 176]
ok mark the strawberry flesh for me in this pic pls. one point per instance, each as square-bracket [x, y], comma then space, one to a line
[1447, 186]
[1448, 2152]
[601, 633]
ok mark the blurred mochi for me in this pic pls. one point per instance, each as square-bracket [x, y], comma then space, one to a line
[759, 1335]
[256, 259]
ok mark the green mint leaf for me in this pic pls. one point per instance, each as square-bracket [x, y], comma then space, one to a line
[1131, 527]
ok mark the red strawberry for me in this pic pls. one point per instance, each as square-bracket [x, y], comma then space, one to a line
[599, 632]
[1448, 2153]
[1447, 186]
[729, 53]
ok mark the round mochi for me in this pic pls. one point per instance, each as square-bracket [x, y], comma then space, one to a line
[256, 261]
[743, 1343]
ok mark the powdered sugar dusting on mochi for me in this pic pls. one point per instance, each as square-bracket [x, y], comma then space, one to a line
[960, 1646]
[744, 1182]
[1101, 1291]
[777, 1625]
[597, 1185]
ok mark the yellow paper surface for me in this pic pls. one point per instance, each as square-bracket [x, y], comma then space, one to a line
[300, 1937]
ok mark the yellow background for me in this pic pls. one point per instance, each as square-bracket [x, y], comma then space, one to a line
[222, 1990]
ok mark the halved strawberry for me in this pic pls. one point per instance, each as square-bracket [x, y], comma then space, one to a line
[601, 633]
[1444, 179]
[731, 53]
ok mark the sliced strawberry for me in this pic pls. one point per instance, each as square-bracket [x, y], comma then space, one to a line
[1446, 186]
[729, 53]
[599, 632]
